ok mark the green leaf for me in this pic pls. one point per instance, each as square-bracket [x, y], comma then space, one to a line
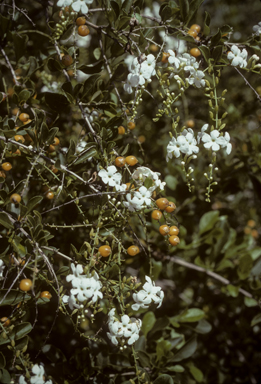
[5, 221]
[91, 69]
[164, 379]
[5, 24]
[191, 315]
[160, 324]
[245, 266]
[2, 360]
[206, 30]
[186, 351]
[165, 14]
[193, 8]
[203, 326]
[17, 333]
[184, 9]
[207, 221]
[5, 376]
[232, 290]
[86, 155]
[89, 85]
[33, 202]
[20, 344]
[205, 52]
[176, 368]
[148, 322]
[256, 320]
[216, 38]
[13, 297]
[126, 6]
[162, 349]
[217, 53]
[196, 373]
[144, 358]
[249, 302]
[171, 182]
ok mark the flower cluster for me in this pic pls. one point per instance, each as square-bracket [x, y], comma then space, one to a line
[141, 69]
[187, 144]
[127, 329]
[148, 294]
[38, 378]
[138, 200]
[77, 6]
[2, 267]
[141, 174]
[84, 287]
[237, 57]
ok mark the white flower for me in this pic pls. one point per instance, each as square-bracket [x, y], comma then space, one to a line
[80, 5]
[133, 203]
[213, 141]
[188, 62]
[237, 57]
[142, 173]
[196, 78]
[144, 194]
[173, 59]
[148, 294]
[38, 371]
[175, 146]
[192, 142]
[257, 28]
[22, 380]
[111, 176]
[143, 70]
[227, 143]
[88, 289]
[127, 328]
[172, 43]
[132, 81]
[2, 267]
[64, 3]
[71, 301]
[75, 277]
[200, 134]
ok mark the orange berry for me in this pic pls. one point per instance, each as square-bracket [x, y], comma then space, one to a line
[80, 21]
[56, 141]
[51, 148]
[197, 38]
[105, 250]
[154, 48]
[49, 195]
[131, 160]
[190, 123]
[133, 250]
[7, 166]
[120, 161]
[174, 240]
[17, 152]
[53, 169]
[83, 30]
[6, 321]
[46, 295]
[192, 33]
[141, 139]
[195, 52]
[247, 230]
[156, 214]
[173, 230]
[2, 174]
[25, 285]
[23, 117]
[15, 198]
[67, 60]
[164, 230]
[19, 138]
[131, 125]
[162, 203]
[171, 207]
[251, 223]
[196, 27]
[130, 186]
[165, 56]
[254, 233]
[121, 130]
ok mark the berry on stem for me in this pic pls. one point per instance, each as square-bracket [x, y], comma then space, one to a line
[80, 20]
[162, 203]
[195, 52]
[83, 30]
[174, 240]
[67, 60]
[156, 214]
[15, 198]
[23, 117]
[131, 160]
[19, 138]
[164, 230]
[171, 207]
[46, 295]
[192, 33]
[105, 250]
[120, 161]
[56, 141]
[5, 321]
[165, 56]
[7, 166]
[121, 130]
[133, 250]
[49, 195]
[25, 285]
[196, 27]
[173, 230]
[131, 125]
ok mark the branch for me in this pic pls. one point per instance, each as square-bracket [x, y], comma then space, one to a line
[247, 83]
[214, 275]
[9, 65]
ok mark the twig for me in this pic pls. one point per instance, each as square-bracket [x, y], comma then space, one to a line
[56, 252]
[22, 11]
[250, 86]
[215, 276]
[9, 65]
